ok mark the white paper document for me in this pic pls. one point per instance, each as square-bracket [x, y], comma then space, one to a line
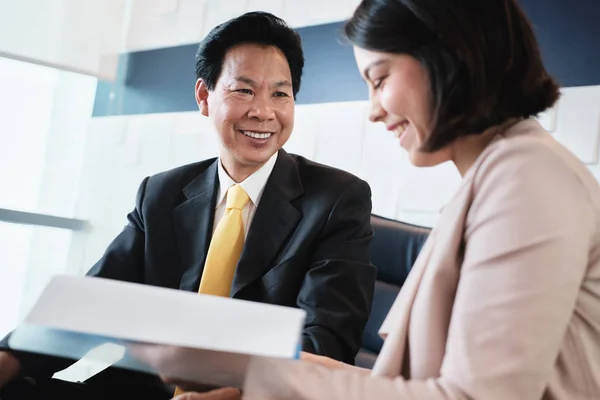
[173, 333]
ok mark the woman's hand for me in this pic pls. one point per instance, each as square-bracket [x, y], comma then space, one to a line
[217, 394]
[192, 391]
[321, 360]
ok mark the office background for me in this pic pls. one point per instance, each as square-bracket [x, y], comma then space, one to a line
[76, 147]
[147, 121]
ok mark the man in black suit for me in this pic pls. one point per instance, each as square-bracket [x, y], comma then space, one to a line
[306, 226]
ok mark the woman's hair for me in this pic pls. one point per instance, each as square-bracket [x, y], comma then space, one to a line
[481, 56]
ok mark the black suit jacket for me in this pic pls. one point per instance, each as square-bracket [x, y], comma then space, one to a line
[307, 247]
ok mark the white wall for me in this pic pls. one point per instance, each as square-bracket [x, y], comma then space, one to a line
[121, 151]
[72, 35]
[165, 23]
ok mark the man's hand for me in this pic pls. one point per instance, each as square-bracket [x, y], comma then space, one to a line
[321, 360]
[217, 394]
[10, 368]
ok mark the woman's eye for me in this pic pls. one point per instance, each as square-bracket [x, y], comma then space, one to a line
[377, 82]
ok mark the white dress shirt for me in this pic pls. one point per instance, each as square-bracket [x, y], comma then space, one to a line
[254, 186]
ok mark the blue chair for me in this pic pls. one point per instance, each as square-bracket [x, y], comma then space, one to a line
[394, 249]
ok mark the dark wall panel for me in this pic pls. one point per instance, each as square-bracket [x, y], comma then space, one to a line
[162, 80]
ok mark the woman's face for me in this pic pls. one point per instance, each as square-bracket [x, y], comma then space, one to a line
[400, 96]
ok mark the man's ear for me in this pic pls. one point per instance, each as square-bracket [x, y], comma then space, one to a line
[202, 96]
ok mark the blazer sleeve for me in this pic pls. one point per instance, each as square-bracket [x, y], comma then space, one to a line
[123, 260]
[337, 291]
[527, 239]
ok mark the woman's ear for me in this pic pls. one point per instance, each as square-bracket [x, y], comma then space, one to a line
[202, 96]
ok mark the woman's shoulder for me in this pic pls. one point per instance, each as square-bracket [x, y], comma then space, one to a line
[527, 150]
[528, 169]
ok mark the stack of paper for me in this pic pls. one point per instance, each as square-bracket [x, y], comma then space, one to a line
[178, 334]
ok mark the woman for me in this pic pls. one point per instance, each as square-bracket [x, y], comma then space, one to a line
[504, 300]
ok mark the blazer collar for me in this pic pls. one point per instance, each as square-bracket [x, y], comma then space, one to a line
[274, 221]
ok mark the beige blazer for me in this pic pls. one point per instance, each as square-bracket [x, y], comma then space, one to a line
[503, 302]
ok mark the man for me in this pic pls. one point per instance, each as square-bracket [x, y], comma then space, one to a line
[301, 230]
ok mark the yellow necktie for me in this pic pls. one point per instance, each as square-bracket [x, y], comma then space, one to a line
[225, 246]
[225, 249]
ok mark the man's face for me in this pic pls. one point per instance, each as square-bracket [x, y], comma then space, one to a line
[252, 105]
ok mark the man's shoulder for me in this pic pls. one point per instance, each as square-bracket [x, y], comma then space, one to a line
[320, 177]
[176, 179]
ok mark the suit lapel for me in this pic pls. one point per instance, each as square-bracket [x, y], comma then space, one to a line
[394, 329]
[431, 309]
[443, 243]
[275, 219]
[193, 221]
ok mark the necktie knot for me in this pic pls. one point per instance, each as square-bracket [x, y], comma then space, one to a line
[237, 198]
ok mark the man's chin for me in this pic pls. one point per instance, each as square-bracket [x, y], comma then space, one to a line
[252, 159]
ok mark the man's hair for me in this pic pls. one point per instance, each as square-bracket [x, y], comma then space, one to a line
[481, 57]
[259, 28]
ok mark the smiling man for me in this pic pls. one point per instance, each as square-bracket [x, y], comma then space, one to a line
[256, 223]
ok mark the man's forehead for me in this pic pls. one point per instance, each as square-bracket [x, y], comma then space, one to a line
[256, 68]
[251, 51]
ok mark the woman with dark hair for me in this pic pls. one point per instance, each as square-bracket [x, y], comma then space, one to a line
[504, 299]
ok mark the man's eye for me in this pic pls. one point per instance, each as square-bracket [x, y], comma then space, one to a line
[281, 94]
[245, 91]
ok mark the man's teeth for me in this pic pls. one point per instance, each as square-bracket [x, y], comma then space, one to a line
[257, 135]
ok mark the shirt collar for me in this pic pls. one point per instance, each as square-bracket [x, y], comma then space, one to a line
[254, 185]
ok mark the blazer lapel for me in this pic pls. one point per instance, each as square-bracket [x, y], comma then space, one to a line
[193, 221]
[394, 358]
[275, 219]
[394, 329]
[431, 309]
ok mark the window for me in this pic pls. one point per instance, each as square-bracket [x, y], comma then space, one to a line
[29, 256]
[44, 115]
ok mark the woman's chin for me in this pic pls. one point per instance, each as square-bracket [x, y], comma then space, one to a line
[420, 159]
